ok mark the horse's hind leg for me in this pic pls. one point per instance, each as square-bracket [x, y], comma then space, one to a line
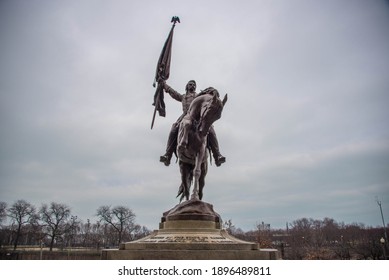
[197, 172]
[197, 175]
[189, 180]
[182, 188]
[186, 180]
[204, 169]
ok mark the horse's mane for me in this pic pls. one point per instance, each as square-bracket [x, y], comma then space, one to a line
[209, 90]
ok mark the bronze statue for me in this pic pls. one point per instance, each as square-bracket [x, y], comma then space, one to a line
[193, 132]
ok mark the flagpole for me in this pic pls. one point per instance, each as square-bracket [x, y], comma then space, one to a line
[155, 106]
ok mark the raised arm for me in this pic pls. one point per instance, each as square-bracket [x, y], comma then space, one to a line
[174, 94]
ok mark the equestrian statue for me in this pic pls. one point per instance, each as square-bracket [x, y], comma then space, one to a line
[192, 134]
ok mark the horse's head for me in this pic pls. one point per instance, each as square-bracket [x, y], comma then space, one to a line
[211, 111]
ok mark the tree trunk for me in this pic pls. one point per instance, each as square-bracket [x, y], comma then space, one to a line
[17, 236]
[52, 243]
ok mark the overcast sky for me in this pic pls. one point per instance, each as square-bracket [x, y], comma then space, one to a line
[305, 130]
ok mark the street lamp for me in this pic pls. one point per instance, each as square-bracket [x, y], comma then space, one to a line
[382, 216]
[382, 240]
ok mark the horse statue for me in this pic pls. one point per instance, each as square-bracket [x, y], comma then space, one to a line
[204, 110]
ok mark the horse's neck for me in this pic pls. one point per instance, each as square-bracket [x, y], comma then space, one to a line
[195, 106]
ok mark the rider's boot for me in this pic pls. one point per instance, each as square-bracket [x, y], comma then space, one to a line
[171, 145]
[214, 145]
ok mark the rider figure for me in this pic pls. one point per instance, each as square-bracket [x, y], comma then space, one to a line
[186, 99]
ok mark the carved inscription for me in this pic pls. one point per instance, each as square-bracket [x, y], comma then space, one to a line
[188, 239]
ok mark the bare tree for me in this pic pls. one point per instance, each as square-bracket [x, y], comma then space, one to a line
[120, 218]
[72, 231]
[3, 217]
[86, 232]
[229, 226]
[264, 235]
[300, 237]
[55, 219]
[21, 213]
[92, 234]
[3, 211]
[140, 232]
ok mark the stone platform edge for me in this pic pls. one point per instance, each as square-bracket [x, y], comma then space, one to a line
[261, 254]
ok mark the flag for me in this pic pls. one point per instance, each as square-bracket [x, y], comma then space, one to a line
[162, 73]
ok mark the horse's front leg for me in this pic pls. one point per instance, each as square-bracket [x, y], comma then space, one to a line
[197, 171]
[204, 169]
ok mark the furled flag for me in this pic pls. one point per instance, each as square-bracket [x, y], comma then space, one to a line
[162, 73]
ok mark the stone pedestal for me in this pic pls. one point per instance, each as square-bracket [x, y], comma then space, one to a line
[190, 231]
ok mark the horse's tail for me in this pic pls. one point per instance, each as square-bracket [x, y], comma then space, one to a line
[181, 192]
[209, 151]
